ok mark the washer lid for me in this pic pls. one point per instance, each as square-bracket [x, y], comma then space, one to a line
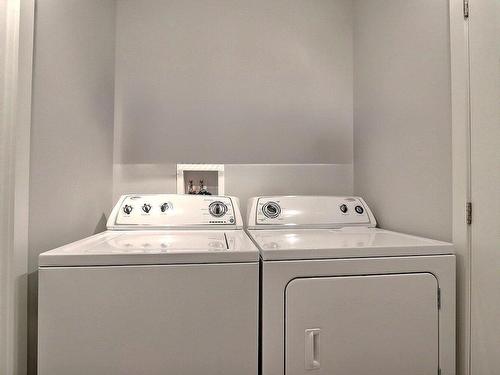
[351, 242]
[149, 247]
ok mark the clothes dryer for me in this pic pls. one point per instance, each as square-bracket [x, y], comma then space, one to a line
[340, 296]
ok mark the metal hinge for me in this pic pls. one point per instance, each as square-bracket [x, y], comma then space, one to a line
[439, 298]
[466, 9]
[468, 213]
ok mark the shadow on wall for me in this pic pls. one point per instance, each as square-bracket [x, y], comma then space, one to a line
[101, 224]
[32, 323]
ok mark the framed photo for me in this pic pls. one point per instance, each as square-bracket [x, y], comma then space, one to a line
[204, 179]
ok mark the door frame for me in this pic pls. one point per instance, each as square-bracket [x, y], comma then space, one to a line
[14, 196]
[460, 103]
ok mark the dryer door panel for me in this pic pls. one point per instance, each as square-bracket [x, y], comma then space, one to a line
[363, 325]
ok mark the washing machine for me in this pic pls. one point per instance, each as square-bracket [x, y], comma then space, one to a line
[170, 288]
[342, 297]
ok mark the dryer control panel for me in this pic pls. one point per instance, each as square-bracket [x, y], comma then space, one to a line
[309, 211]
[143, 211]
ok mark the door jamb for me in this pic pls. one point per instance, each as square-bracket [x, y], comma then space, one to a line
[16, 127]
[459, 59]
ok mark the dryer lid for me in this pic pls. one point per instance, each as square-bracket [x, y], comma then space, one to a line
[154, 247]
[353, 242]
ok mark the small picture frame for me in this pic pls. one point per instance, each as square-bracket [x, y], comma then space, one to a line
[204, 179]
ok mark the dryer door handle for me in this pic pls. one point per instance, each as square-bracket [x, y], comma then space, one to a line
[311, 354]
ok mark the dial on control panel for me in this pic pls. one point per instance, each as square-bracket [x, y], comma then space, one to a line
[343, 208]
[359, 209]
[217, 209]
[271, 210]
[146, 207]
[127, 209]
[164, 207]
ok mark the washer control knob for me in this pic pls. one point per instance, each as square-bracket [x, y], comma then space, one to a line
[146, 207]
[127, 209]
[217, 209]
[343, 208]
[359, 209]
[271, 210]
[164, 207]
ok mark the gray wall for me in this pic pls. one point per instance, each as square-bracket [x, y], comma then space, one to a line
[72, 128]
[402, 114]
[233, 81]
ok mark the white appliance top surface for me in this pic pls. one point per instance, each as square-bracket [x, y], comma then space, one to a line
[149, 247]
[348, 242]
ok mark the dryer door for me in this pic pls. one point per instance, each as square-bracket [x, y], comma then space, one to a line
[363, 325]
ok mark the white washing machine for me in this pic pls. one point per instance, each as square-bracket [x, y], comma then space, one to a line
[170, 288]
[341, 297]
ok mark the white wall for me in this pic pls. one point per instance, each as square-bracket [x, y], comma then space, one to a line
[72, 128]
[402, 114]
[233, 81]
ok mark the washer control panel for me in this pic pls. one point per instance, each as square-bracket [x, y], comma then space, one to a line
[309, 211]
[172, 210]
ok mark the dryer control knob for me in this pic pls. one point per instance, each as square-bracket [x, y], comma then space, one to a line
[127, 209]
[343, 208]
[359, 209]
[217, 209]
[146, 208]
[271, 210]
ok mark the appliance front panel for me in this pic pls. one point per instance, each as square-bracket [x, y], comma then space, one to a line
[153, 320]
[363, 325]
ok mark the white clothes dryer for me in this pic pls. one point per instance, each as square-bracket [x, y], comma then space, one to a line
[170, 288]
[342, 297]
